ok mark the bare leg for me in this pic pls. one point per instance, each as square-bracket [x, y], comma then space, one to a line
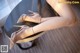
[54, 23]
[36, 18]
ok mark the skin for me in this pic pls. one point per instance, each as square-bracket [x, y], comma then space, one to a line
[67, 18]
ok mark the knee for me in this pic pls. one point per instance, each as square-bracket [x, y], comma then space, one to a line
[72, 21]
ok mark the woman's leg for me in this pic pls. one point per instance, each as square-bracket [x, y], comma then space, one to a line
[36, 18]
[54, 23]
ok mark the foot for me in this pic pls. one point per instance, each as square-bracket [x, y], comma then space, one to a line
[22, 17]
[33, 17]
[24, 32]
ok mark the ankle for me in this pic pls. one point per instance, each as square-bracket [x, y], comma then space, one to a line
[29, 31]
